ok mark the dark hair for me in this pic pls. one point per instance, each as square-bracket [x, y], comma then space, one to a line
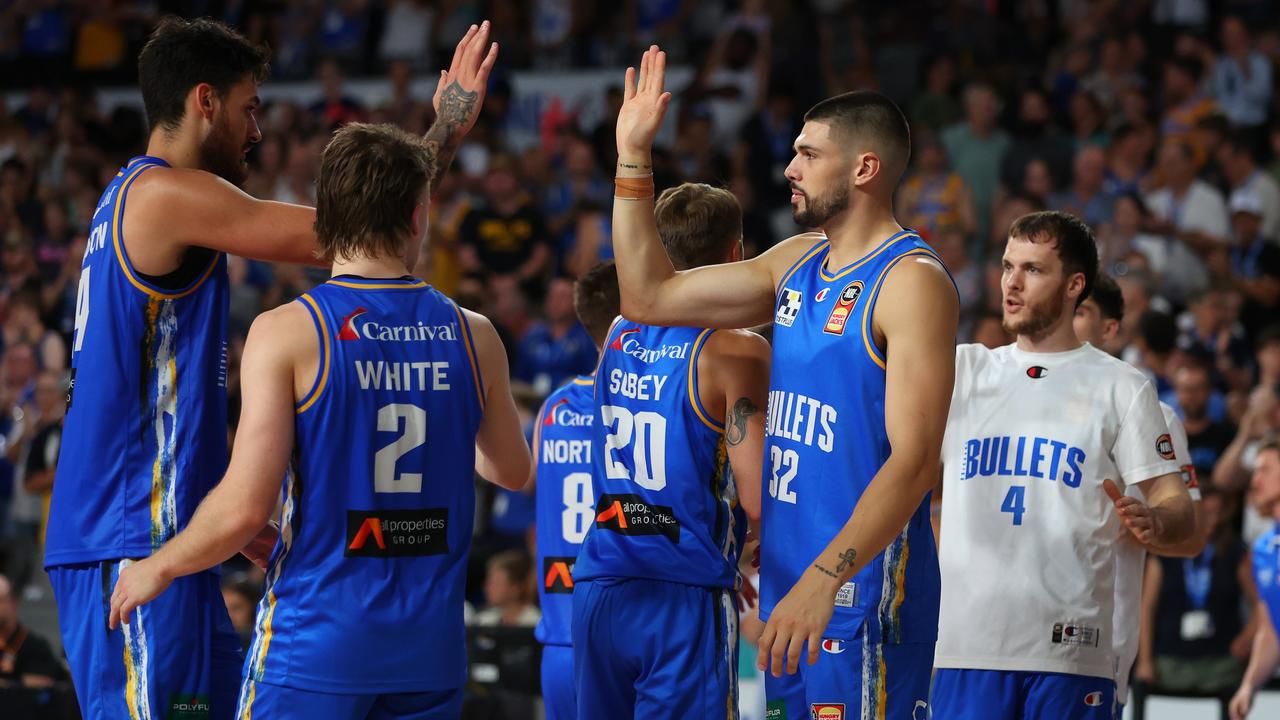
[596, 299]
[1239, 143]
[866, 120]
[1189, 65]
[1107, 296]
[181, 54]
[517, 565]
[698, 223]
[1073, 239]
[1158, 331]
[1268, 335]
[371, 179]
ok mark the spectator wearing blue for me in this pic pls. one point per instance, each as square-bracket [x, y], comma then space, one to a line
[1265, 657]
[1242, 80]
[557, 348]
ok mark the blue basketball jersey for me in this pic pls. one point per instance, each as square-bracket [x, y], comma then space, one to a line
[565, 501]
[364, 591]
[825, 440]
[146, 427]
[666, 509]
[1266, 572]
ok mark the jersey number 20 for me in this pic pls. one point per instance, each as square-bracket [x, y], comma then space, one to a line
[647, 431]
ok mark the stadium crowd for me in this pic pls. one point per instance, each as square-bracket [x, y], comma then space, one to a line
[1157, 122]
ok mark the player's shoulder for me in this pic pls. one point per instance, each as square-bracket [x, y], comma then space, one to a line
[973, 355]
[1170, 415]
[785, 255]
[1112, 371]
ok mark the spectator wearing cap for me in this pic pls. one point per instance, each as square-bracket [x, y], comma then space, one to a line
[1254, 263]
[1236, 159]
[1242, 79]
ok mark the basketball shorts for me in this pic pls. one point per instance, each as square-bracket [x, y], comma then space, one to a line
[1007, 695]
[275, 702]
[179, 656]
[558, 696]
[855, 679]
[651, 649]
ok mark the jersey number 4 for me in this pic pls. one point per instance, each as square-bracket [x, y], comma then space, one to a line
[1014, 503]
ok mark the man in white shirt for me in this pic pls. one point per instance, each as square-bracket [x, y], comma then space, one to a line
[1096, 322]
[1187, 208]
[1041, 437]
[1238, 164]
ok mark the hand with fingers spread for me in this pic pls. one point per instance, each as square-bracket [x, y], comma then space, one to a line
[139, 583]
[460, 92]
[644, 104]
[798, 619]
[1134, 513]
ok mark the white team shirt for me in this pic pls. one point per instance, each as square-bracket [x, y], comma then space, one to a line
[1131, 561]
[1028, 535]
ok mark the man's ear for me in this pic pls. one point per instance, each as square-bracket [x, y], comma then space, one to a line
[205, 100]
[866, 168]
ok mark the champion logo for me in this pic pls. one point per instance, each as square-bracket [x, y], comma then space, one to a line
[1035, 372]
[1093, 699]
[835, 647]
[822, 295]
[347, 331]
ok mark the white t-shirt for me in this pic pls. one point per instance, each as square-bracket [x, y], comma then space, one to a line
[1028, 534]
[1131, 560]
[1201, 209]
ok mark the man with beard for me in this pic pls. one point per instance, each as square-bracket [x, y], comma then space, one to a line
[864, 319]
[1040, 433]
[145, 433]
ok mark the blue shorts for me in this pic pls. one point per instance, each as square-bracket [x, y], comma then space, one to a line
[178, 654]
[558, 696]
[651, 649]
[855, 679]
[274, 702]
[1008, 695]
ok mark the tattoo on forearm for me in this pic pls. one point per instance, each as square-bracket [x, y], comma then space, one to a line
[456, 108]
[846, 559]
[735, 430]
[825, 571]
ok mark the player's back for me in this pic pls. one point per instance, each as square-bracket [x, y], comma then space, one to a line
[1030, 439]
[145, 436]
[666, 509]
[825, 440]
[564, 499]
[365, 588]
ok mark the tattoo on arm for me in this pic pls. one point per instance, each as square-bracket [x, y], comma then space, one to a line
[456, 107]
[736, 428]
[846, 559]
[825, 571]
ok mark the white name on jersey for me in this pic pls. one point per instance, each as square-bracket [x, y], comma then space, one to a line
[635, 386]
[382, 375]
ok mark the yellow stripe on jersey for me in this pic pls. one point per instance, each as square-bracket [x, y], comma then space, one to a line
[867, 342]
[311, 397]
[822, 271]
[900, 587]
[378, 286]
[584, 381]
[471, 354]
[813, 251]
[694, 400]
[118, 244]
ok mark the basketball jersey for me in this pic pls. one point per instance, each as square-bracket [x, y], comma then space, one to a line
[825, 440]
[364, 592]
[145, 437]
[1131, 560]
[565, 504]
[666, 508]
[1266, 572]
[1028, 534]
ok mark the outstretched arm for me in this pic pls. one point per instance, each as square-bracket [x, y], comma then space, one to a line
[459, 96]
[733, 295]
[917, 313]
[502, 455]
[238, 508]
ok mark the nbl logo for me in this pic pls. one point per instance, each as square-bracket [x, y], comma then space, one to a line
[1164, 446]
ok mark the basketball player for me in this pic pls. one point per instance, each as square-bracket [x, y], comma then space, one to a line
[388, 396]
[864, 338]
[563, 492]
[1039, 435]
[1265, 657]
[145, 435]
[1097, 320]
[654, 613]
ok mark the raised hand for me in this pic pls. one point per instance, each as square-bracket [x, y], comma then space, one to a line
[1135, 515]
[461, 89]
[644, 104]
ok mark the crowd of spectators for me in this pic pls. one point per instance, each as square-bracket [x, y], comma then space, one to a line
[1157, 121]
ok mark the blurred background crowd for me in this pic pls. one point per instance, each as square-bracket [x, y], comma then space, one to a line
[1157, 121]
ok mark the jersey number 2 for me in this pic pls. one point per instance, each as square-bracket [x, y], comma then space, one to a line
[1013, 503]
[385, 479]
